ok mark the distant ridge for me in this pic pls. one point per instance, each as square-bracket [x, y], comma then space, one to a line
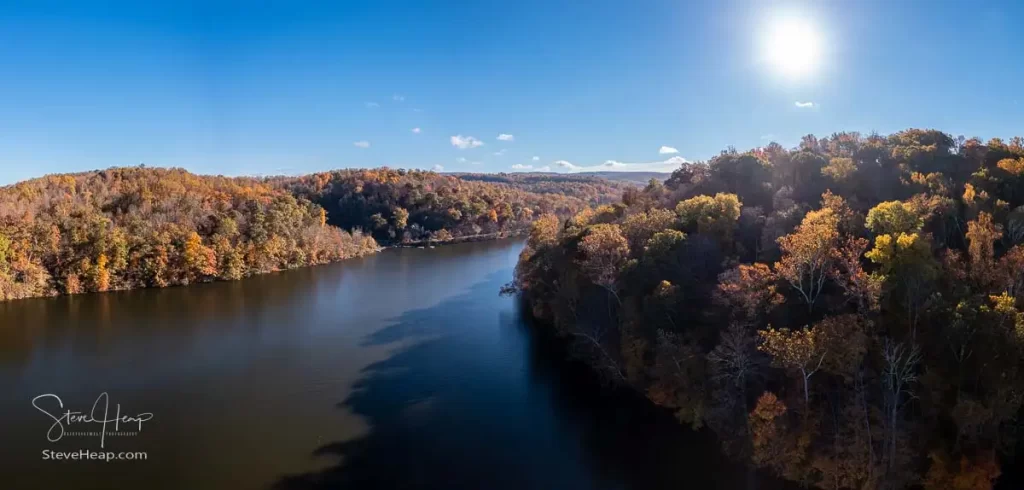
[632, 177]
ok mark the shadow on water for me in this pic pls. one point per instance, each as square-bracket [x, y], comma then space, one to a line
[475, 400]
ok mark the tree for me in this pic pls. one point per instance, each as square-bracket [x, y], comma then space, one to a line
[799, 351]
[899, 371]
[907, 267]
[101, 275]
[605, 251]
[715, 216]
[400, 218]
[638, 228]
[200, 260]
[839, 169]
[809, 254]
[768, 430]
[892, 218]
[747, 291]
[663, 242]
[544, 231]
[981, 235]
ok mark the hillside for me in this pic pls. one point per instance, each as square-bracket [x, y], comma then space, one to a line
[845, 314]
[637, 178]
[126, 228]
[590, 188]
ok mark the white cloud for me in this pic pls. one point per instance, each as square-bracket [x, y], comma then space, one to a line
[476, 163]
[461, 159]
[398, 98]
[767, 136]
[500, 152]
[667, 165]
[506, 137]
[438, 168]
[544, 169]
[416, 130]
[362, 144]
[372, 105]
[520, 166]
[465, 142]
[805, 105]
[665, 150]
[536, 159]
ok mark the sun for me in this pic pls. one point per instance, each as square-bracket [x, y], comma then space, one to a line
[792, 46]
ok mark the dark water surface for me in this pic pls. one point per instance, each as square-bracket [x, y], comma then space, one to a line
[401, 370]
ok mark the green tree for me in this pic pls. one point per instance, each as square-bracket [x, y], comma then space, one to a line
[712, 216]
[893, 217]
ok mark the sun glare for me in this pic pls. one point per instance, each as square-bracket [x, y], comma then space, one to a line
[792, 46]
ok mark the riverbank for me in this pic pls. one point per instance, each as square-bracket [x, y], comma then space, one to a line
[464, 239]
[402, 369]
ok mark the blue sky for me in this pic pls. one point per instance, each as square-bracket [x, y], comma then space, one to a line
[292, 87]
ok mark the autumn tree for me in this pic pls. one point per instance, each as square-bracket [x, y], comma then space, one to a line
[908, 268]
[981, 235]
[893, 218]
[747, 292]
[712, 216]
[801, 351]
[605, 251]
[638, 228]
[809, 254]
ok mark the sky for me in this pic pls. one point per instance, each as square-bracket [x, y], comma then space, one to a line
[268, 88]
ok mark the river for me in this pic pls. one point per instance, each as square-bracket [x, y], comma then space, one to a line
[405, 369]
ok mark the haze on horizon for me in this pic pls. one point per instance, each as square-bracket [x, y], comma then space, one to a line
[221, 88]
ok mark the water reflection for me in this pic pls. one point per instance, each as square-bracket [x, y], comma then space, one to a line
[468, 405]
[402, 370]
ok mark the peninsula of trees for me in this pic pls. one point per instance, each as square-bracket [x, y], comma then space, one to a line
[847, 314]
[127, 228]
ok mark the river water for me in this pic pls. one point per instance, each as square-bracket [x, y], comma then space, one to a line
[401, 370]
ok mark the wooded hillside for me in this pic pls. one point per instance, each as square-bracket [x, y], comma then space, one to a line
[126, 228]
[399, 206]
[848, 313]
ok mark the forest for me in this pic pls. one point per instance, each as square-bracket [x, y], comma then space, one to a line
[415, 206]
[846, 314]
[127, 228]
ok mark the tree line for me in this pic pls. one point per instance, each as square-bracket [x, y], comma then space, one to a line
[848, 313]
[126, 228]
[399, 206]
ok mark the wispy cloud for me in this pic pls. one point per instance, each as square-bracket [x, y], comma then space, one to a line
[804, 105]
[372, 105]
[398, 98]
[500, 152]
[438, 168]
[506, 137]
[520, 166]
[461, 159]
[665, 150]
[465, 142]
[476, 163]
[536, 159]
[767, 136]
[361, 144]
[667, 165]
[416, 130]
